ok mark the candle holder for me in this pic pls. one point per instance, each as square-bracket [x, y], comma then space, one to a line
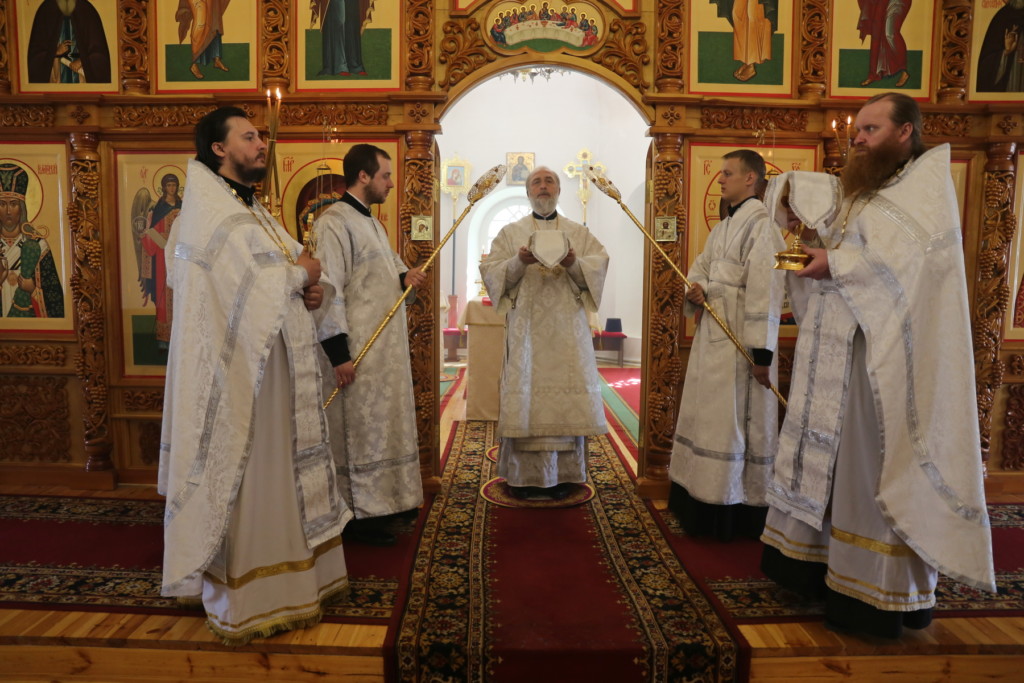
[842, 136]
[272, 183]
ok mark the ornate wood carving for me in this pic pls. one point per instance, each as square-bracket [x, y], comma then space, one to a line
[87, 292]
[79, 114]
[33, 354]
[1013, 429]
[275, 38]
[418, 44]
[341, 114]
[814, 35]
[957, 16]
[992, 291]
[669, 66]
[5, 55]
[1015, 366]
[671, 116]
[160, 115]
[1007, 125]
[463, 49]
[139, 401]
[663, 367]
[625, 52]
[418, 200]
[149, 443]
[417, 112]
[133, 29]
[27, 115]
[34, 419]
[947, 125]
[753, 118]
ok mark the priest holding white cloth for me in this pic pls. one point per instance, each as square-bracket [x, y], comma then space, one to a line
[878, 477]
[253, 522]
[546, 272]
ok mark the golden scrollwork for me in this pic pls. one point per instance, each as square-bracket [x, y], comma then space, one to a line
[418, 43]
[957, 16]
[625, 52]
[665, 296]
[1007, 125]
[463, 50]
[143, 401]
[341, 114]
[1013, 429]
[669, 66]
[5, 55]
[36, 419]
[87, 293]
[418, 200]
[133, 28]
[27, 115]
[814, 34]
[33, 354]
[947, 125]
[275, 37]
[753, 118]
[992, 291]
[160, 115]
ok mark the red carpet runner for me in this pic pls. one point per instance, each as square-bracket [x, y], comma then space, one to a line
[586, 593]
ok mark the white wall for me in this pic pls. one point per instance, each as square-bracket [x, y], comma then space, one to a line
[554, 119]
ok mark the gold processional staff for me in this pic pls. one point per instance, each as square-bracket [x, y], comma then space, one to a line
[609, 189]
[487, 182]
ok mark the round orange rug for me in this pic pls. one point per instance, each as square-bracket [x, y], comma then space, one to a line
[496, 491]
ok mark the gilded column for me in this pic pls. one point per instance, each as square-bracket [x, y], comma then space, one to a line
[662, 359]
[274, 35]
[418, 200]
[87, 294]
[133, 44]
[814, 24]
[668, 66]
[957, 16]
[419, 43]
[992, 290]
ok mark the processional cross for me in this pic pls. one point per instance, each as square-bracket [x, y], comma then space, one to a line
[578, 169]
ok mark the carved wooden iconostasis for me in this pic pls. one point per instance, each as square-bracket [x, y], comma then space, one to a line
[95, 135]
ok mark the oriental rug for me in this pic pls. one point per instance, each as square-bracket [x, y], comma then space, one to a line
[100, 554]
[592, 592]
[730, 575]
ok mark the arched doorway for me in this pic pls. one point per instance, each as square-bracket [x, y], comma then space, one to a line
[553, 114]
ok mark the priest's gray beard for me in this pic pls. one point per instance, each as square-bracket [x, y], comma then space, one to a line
[869, 167]
[545, 206]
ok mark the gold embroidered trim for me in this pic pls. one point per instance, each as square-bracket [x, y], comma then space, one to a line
[789, 541]
[909, 601]
[871, 544]
[279, 568]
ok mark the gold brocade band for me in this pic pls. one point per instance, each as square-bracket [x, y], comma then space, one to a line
[279, 568]
[871, 544]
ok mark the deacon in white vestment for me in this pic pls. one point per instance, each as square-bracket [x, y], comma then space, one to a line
[545, 273]
[878, 478]
[728, 422]
[253, 519]
[373, 419]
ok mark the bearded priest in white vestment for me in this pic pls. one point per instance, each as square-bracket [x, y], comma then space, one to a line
[878, 478]
[253, 522]
[728, 422]
[550, 389]
[373, 419]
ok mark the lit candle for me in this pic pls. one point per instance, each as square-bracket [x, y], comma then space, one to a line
[833, 120]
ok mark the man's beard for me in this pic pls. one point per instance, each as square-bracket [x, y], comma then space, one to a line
[869, 168]
[375, 197]
[250, 175]
[545, 206]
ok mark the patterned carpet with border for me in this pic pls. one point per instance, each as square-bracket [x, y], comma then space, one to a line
[592, 592]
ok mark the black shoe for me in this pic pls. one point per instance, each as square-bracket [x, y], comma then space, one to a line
[521, 492]
[407, 516]
[560, 491]
[368, 531]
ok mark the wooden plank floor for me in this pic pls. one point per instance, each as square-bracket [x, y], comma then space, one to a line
[99, 647]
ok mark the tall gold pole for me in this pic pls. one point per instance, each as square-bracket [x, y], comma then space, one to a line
[609, 189]
[487, 182]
